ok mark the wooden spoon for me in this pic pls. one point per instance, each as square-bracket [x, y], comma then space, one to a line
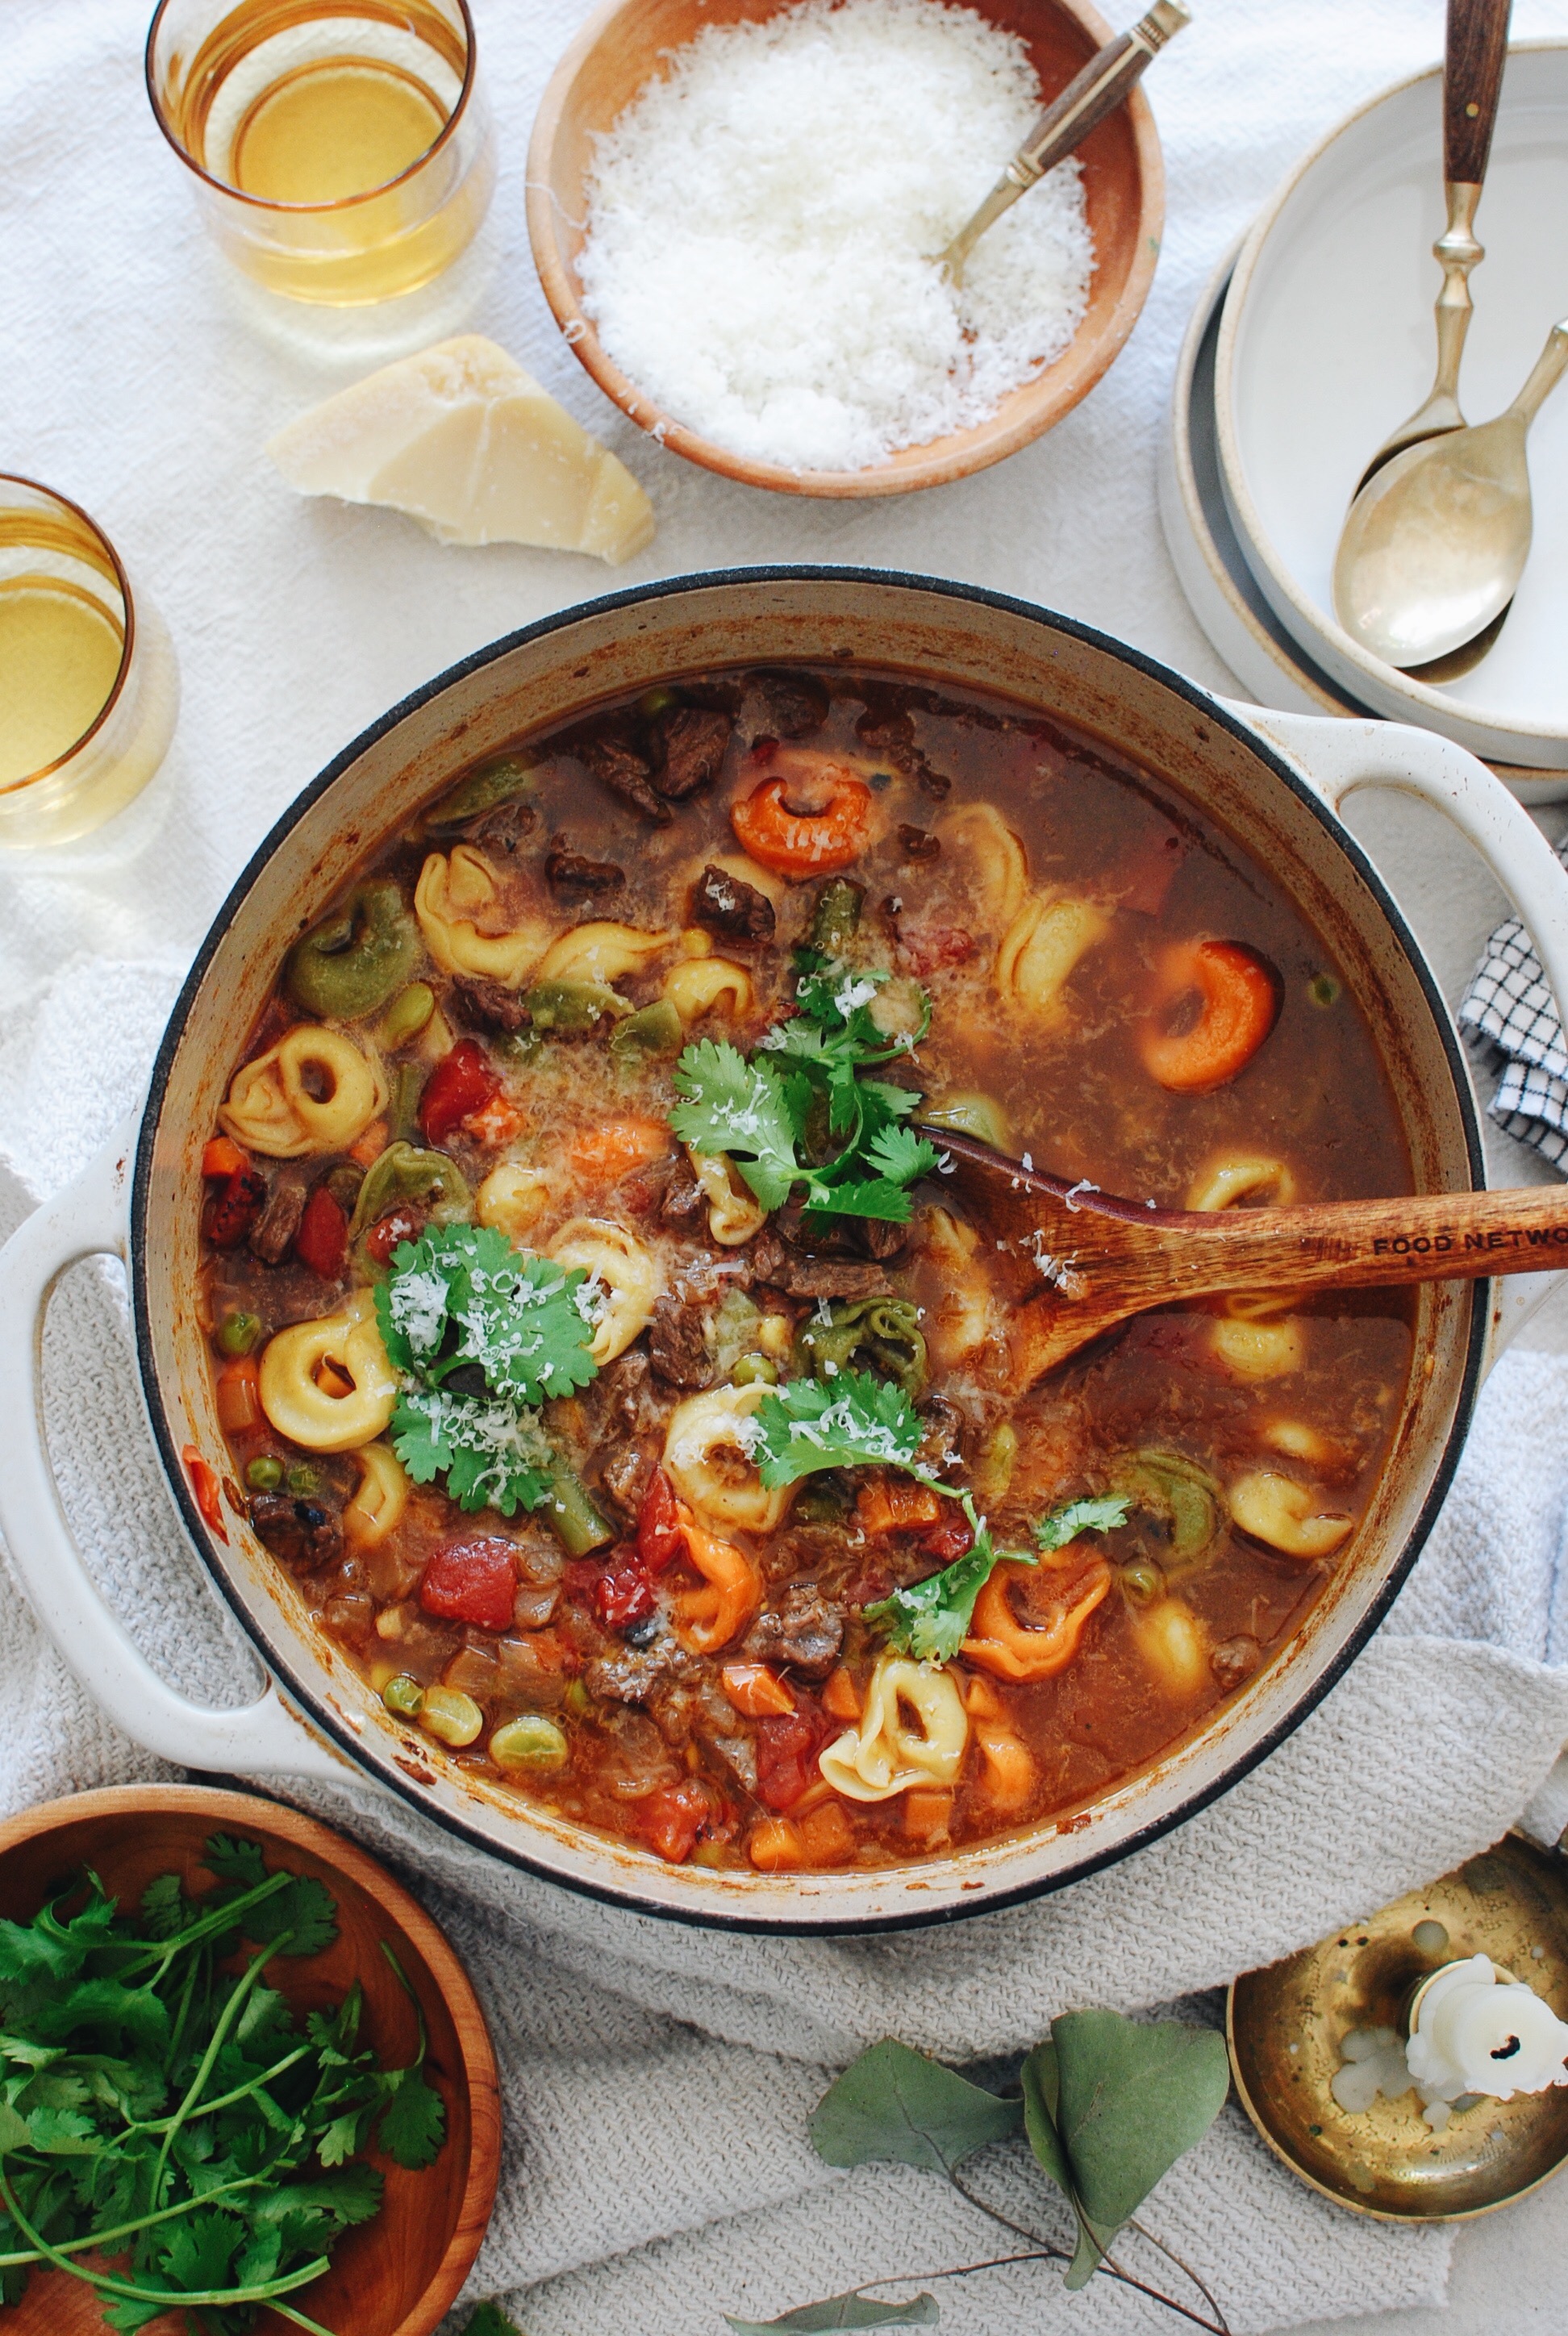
[1104, 1258]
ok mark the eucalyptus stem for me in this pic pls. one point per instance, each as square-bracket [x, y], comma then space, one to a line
[1111, 2270]
[1201, 2285]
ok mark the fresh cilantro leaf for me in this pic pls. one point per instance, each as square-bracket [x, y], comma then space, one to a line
[305, 1911]
[1100, 1514]
[104, 2004]
[734, 1106]
[873, 1197]
[931, 1619]
[494, 1456]
[489, 2320]
[461, 1294]
[199, 2251]
[351, 2194]
[47, 1948]
[164, 1910]
[849, 1422]
[413, 2123]
[239, 1861]
[899, 1154]
[341, 2138]
[127, 2316]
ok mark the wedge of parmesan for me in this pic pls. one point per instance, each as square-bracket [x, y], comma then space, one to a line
[464, 441]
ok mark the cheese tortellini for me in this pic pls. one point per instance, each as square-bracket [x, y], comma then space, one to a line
[462, 916]
[380, 1499]
[1232, 1177]
[601, 952]
[314, 1090]
[708, 985]
[327, 1384]
[1171, 1641]
[733, 1211]
[984, 848]
[1287, 1514]
[1251, 1339]
[885, 1753]
[708, 1619]
[624, 1279]
[706, 1459]
[1042, 944]
[512, 1198]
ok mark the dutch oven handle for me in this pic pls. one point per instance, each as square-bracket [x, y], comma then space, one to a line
[265, 1738]
[1337, 756]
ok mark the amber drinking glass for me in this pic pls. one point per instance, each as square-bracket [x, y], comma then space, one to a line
[88, 686]
[341, 149]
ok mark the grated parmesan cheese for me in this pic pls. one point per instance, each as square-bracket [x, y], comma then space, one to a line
[763, 223]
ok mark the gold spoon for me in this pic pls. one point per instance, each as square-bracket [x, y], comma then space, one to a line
[1473, 59]
[1103, 1260]
[1436, 543]
[1068, 121]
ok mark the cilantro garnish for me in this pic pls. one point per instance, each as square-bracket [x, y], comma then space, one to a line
[1102, 1513]
[168, 2132]
[462, 1299]
[803, 1084]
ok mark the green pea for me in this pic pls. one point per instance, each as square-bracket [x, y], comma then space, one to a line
[967, 1115]
[237, 1333]
[302, 1479]
[578, 1524]
[403, 1695]
[407, 1015]
[532, 1743]
[653, 1030]
[837, 916]
[405, 1172]
[657, 701]
[1323, 989]
[573, 1005]
[493, 783]
[754, 1371]
[264, 1475]
[353, 961]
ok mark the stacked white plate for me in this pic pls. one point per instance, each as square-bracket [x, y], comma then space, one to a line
[1311, 341]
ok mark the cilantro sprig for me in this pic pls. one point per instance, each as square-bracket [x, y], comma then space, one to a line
[803, 1084]
[481, 1336]
[857, 1421]
[164, 2109]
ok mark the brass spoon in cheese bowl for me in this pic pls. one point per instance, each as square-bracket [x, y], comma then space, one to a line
[1103, 1258]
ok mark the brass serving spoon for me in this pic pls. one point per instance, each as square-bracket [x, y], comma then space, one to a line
[1088, 1260]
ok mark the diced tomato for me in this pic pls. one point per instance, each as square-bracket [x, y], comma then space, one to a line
[322, 1241]
[841, 1696]
[896, 1504]
[472, 1582]
[233, 1208]
[623, 1596]
[238, 1397]
[390, 1232]
[949, 1537]
[660, 1527]
[670, 1820]
[757, 1690]
[461, 1082]
[205, 1484]
[222, 1158]
[786, 1748]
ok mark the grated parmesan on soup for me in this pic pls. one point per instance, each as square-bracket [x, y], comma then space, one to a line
[763, 225]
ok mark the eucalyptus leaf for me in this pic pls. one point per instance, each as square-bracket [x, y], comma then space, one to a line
[1041, 2085]
[852, 2310]
[894, 2103]
[1131, 2101]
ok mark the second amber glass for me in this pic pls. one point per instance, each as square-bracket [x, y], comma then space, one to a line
[341, 149]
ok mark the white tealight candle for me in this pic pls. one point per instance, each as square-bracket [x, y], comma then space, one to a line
[1474, 2029]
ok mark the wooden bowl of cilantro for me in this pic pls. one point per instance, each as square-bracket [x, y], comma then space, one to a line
[245, 2084]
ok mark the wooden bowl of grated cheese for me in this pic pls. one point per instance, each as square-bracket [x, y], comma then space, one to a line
[628, 282]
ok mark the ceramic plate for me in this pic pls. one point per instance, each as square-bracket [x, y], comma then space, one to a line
[1327, 342]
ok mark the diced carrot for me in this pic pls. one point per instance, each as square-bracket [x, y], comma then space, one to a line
[812, 1798]
[205, 1484]
[238, 1397]
[371, 1145]
[757, 1690]
[894, 1504]
[775, 1845]
[840, 1696]
[220, 1157]
[602, 1156]
[927, 1813]
[498, 1123]
[828, 1836]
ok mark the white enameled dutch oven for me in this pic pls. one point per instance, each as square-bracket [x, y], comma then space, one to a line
[1274, 781]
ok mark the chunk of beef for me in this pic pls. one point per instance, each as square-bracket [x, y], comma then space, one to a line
[917, 844]
[880, 1240]
[677, 1346]
[487, 1005]
[630, 1674]
[272, 1235]
[684, 1199]
[623, 1480]
[693, 746]
[502, 831]
[569, 871]
[782, 704]
[805, 1630]
[890, 737]
[685, 1708]
[303, 1534]
[813, 1277]
[614, 760]
[727, 904]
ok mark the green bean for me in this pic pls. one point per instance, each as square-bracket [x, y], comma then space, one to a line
[578, 1524]
[351, 962]
[754, 1371]
[404, 1173]
[402, 1695]
[653, 1030]
[264, 1475]
[495, 782]
[407, 1087]
[967, 1115]
[884, 1331]
[837, 915]
[237, 1333]
[407, 1015]
[572, 1005]
[532, 1743]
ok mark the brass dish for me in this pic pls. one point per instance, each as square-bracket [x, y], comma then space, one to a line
[1284, 2027]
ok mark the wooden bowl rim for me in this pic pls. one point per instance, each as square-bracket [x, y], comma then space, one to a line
[276, 1819]
[1043, 401]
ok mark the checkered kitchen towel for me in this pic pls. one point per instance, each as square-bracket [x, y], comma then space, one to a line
[1508, 1002]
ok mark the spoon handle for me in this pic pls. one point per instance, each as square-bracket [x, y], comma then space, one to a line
[1362, 1244]
[1545, 376]
[1477, 44]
